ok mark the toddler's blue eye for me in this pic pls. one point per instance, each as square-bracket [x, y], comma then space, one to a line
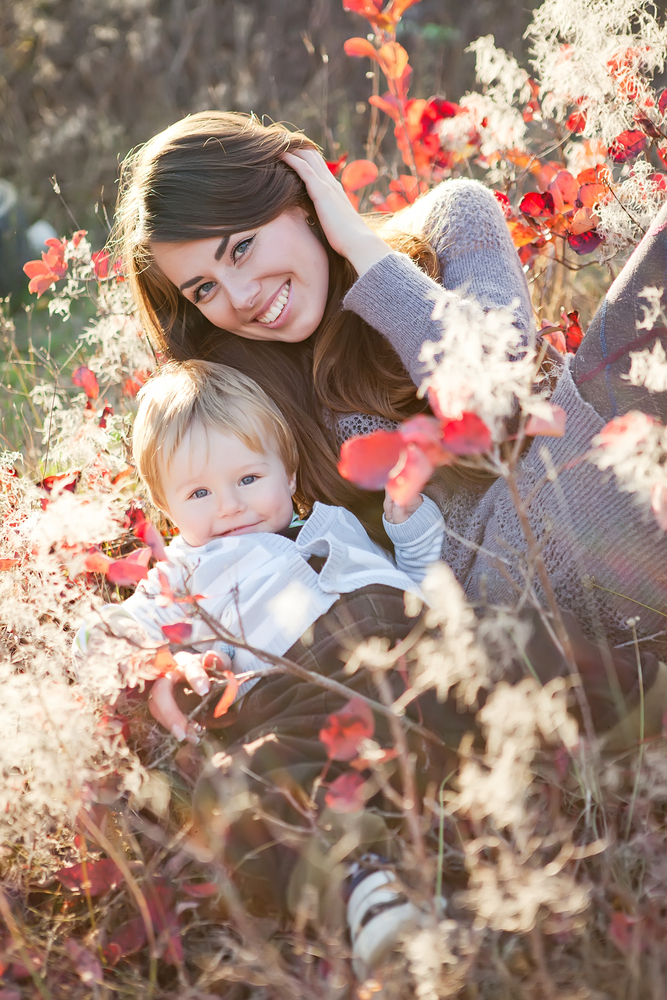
[198, 494]
[248, 480]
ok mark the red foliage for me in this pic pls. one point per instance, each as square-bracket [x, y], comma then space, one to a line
[86, 964]
[86, 380]
[229, 695]
[573, 332]
[584, 242]
[51, 268]
[410, 475]
[627, 145]
[551, 426]
[367, 461]
[148, 533]
[537, 205]
[127, 939]
[179, 632]
[130, 570]
[504, 203]
[346, 728]
[97, 877]
[358, 174]
[467, 436]
[576, 122]
[346, 793]
[101, 262]
[336, 166]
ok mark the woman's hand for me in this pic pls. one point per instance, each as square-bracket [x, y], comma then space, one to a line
[344, 228]
[191, 668]
[396, 514]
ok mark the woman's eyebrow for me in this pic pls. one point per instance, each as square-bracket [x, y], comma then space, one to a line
[222, 246]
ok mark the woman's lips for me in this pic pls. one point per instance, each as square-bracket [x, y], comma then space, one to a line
[276, 313]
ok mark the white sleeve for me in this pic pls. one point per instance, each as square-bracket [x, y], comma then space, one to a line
[418, 541]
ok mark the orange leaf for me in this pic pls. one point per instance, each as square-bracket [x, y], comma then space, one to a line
[590, 194]
[521, 233]
[583, 221]
[96, 562]
[229, 694]
[360, 47]
[163, 661]
[358, 174]
[393, 60]
[395, 10]
[8, 564]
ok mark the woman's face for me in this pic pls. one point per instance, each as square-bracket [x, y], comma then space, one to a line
[267, 283]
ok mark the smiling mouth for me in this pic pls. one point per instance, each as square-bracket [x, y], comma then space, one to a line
[279, 303]
[238, 531]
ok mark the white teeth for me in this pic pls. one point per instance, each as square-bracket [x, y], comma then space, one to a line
[274, 312]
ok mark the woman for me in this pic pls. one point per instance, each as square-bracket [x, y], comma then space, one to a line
[242, 248]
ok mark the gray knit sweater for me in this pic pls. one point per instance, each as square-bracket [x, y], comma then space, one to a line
[606, 557]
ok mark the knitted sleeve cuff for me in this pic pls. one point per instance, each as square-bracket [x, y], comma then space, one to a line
[418, 525]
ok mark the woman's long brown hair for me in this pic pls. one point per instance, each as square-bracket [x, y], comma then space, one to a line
[217, 174]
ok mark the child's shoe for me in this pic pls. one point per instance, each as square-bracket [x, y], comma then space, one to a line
[378, 915]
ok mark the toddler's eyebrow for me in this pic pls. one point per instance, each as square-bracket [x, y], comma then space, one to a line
[222, 246]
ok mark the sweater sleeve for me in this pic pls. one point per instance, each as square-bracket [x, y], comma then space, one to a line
[465, 225]
[418, 541]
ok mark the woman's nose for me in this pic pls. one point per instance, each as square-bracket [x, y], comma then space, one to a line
[244, 293]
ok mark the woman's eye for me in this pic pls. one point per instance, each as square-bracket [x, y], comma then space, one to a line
[198, 494]
[248, 480]
[202, 291]
[241, 247]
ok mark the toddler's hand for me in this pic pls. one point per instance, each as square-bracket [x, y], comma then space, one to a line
[191, 667]
[396, 514]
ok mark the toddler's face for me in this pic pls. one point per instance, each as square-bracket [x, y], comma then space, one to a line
[216, 487]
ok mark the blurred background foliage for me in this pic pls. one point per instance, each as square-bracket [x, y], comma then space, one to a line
[83, 81]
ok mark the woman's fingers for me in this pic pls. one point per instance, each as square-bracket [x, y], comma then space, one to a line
[343, 227]
[162, 706]
[193, 671]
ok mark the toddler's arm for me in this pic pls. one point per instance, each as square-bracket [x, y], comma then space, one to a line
[417, 532]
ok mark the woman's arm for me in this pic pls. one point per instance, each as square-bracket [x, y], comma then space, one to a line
[465, 225]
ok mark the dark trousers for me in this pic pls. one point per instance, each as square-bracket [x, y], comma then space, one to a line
[259, 805]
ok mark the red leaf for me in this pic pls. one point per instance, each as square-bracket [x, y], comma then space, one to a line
[345, 794]
[86, 380]
[179, 632]
[662, 102]
[337, 165]
[537, 205]
[504, 203]
[573, 332]
[551, 426]
[467, 436]
[411, 473]
[228, 696]
[63, 481]
[633, 423]
[620, 931]
[360, 47]
[78, 236]
[646, 125]
[200, 890]
[366, 8]
[130, 570]
[86, 964]
[127, 939]
[346, 728]
[564, 189]
[101, 263]
[54, 257]
[426, 433]
[576, 122]
[367, 461]
[585, 242]
[358, 174]
[100, 877]
[627, 145]
[149, 534]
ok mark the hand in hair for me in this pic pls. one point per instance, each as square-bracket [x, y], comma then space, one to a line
[191, 667]
[396, 514]
[344, 228]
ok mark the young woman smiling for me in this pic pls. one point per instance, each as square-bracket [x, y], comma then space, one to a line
[242, 248]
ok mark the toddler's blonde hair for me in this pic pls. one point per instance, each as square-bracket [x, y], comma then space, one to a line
[218, 398]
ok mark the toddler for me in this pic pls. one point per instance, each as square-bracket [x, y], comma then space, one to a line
[218, 458]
